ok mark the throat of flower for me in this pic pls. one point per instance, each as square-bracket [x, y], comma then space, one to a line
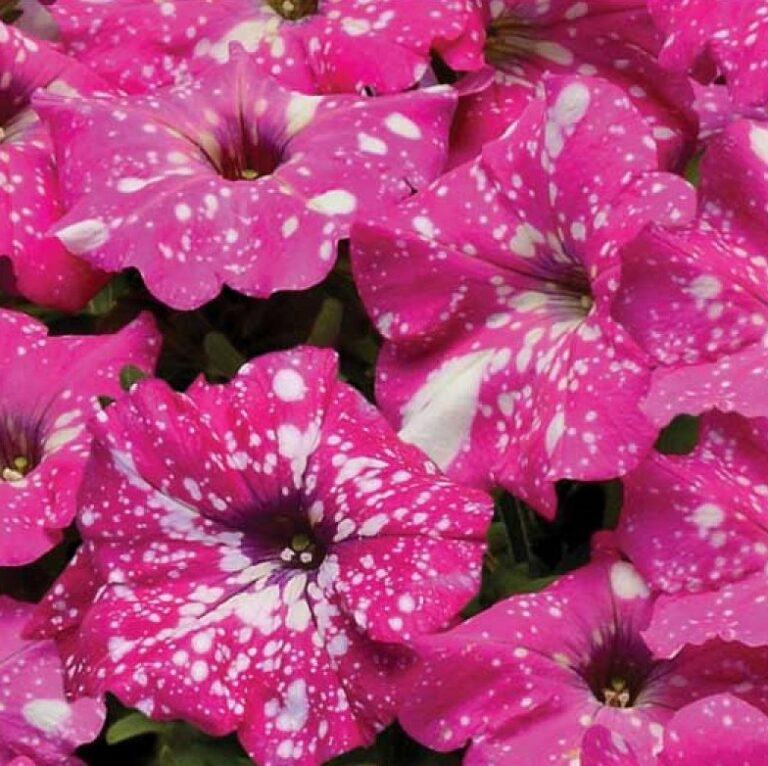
[617, 694]
[249, 174]
[17, 469]
[507, 38]
[302, 553]
[293, 10]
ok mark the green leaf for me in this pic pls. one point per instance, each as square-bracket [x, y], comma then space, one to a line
[106, 299]
[693, 170]
[327, 326]
[129, 375]
[224, 360]
[135, 724]
[680, 436]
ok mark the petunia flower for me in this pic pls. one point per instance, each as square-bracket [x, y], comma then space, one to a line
[48, 390]
[259, 556]
[524, 40]
[232, 179]
[695, 525]
[695, 297]
[38, 725]
[711, 37]
[493, 288]
[313, 46]
[31, 262]
[527, 680]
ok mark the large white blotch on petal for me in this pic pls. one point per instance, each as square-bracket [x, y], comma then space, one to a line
[555, 431]
[758, 141]
[300, 112]
[626, 582]
[248, 33]
[438, 418]
[293, 716]
[333, 202]
[403, 126]
[570, 106]
[48, 715]
[297, 446]
[83, 236]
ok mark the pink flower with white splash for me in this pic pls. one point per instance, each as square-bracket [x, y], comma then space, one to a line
[258, 557]
[325, 46]
[37, 266]
[709, 37]
[523, 40]
[526, 681]
[48, 390]
[38, 725]
[234, 180]
[493, 291]
[695, 525]
[711, 347]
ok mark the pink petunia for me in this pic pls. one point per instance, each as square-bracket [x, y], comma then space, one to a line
[48, 390]
[524, 40]
[313, 46]
[38, 725]
[32, 263]
[259, 556]
[493, 289]
[709, 37]
[695, 525]
[695, 298]
[529, 680]
[234, 180]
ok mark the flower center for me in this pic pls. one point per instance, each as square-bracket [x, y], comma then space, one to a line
[17, 469]
[20, 450]
[620, 668]
[617, 694]
[247, 159]
[303, 552]
[293, 10]
[506, 38]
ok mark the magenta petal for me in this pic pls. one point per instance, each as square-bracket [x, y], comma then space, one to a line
[735, 612]
[602, 747]
[711, 502]
[734, 36]
[338, 48]
[38, 725]
[721, 729]
[42, 271]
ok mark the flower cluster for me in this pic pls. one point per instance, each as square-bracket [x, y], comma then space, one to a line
[306, 305]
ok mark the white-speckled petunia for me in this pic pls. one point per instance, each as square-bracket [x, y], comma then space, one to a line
[232, 179]
[259, 556]
[49, 388]
[530, 679]
[493, 291]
